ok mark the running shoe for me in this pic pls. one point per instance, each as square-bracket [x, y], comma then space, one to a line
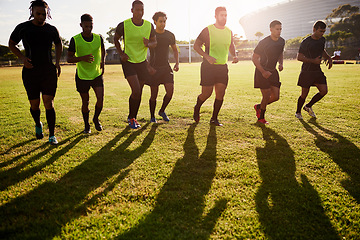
[153, 120]
[137, 124]
[39, 131]
[263, 121]
[298, 116]
[52, 140]
[258, 110]
[97, 125]
[215, 122]
[164, 116]
[310, 111]
[87, 129]
[133, 123]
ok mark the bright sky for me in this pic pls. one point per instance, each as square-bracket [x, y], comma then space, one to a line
[108, 13]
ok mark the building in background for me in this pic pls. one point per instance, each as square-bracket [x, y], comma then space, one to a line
[297, 17]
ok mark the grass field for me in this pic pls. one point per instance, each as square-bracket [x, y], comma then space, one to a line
[178, 180]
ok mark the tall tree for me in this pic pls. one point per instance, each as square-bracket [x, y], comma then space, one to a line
[345, 18]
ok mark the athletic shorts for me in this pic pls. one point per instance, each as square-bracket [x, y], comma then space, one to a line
[213, 73]
[138, 69]
[266, 83]
[308, 79]
[163, 75]
[40, 80]
[83, 86]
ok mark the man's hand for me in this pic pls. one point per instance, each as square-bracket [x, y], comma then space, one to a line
[210, 59]
[146, 42]
[124, 57]
[27, 63]
[317, 60]
[176, 67]
[281, 67]
[57, 65]
[235, 59]
[329, 63]
[266, 74]
[102, 67]
[88, 58]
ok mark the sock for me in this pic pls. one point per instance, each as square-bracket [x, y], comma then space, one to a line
[136, 107]
[300, 104]
[86, 119]
[262, 114]
[166, 101]
[199, 102]
[97, 113]
[317, 97]
[36, 116]
[152, 105]
[258, 106]
[51, 118]
[217, 107]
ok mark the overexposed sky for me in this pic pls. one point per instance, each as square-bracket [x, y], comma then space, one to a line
[186, 18]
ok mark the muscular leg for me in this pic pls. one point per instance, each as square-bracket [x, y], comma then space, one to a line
[219, 98]
[302, 98]
[50, 113]
[85, 110]
[206, 92]
[135, 97]
[99, 93]
[317, 97]
[169, 88]
[35, 111]
[152, 100]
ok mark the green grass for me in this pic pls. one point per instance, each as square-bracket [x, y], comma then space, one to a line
[289, 180]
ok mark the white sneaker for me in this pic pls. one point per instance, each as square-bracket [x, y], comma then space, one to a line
[310, 111]
[298, 116]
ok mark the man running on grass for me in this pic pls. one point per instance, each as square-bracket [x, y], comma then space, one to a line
[39, 74]
[138, 35]
[159, 60]
[87, 50]
[266, 55]
[218, 40]
[312, 50]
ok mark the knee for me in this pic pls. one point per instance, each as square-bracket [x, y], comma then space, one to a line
[323, 92]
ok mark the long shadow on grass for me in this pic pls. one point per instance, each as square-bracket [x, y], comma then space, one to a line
[343, 152]
[18, 145]
[287, 209]
[179, 210]
[16, 174]
[42, 213]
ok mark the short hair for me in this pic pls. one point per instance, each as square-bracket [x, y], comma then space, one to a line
[159, 14]
[219, 9]
[319, 24]
[136, 2]
[274, 23]
[39, 3]
[86, 18]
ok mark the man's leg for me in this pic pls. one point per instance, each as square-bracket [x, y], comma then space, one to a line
[169, 89]
[206, 92]
[85, 111]
[35, 113]
[135, 97]
[50, 116]
[275, 94]
[266, 93]
[152, 101]
[220, 89]
[99, 93]
[323, 90]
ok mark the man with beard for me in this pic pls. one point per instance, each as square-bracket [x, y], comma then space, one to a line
[218, 40]
[138, 35]
[39, 74]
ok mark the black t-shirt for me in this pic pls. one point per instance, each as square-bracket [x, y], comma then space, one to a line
[312, 48]
[37, 41]
[72, 47]
[270, 51]
[159, 56]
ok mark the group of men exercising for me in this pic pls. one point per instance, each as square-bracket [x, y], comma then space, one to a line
[87, 50]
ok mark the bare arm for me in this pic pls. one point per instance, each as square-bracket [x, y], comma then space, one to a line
[122, 54]
[17, 52]
[197, 47]
[58, 51]
[233, 50]
[256, 60]
[281, 61]
[328, 59]
[301, 57]
[176, 56]
[150, 43]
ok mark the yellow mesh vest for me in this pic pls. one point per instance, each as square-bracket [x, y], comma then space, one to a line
[220, 40]
[134, 42]
[85, 70]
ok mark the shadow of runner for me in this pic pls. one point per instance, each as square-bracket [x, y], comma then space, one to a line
[179, 210]
[41, 213]
[287, 209]
[343, 152]
[12, 148]
[14, 175]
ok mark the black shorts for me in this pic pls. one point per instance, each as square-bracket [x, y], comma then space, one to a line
[138, 69]
[308, 79]
[263, 83]
[38, 80]
[83, 86]
[213, 73]
[163, 75]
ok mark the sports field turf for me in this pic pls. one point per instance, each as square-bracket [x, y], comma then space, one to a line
[178, 180]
